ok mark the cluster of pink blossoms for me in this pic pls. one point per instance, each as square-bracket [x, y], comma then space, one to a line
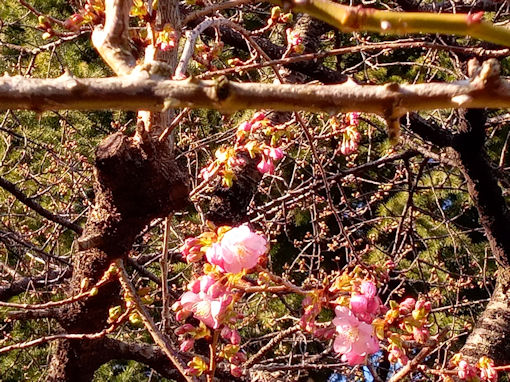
[228, 254]
[207, 299]
[229, 158]
[91, 13]
[231, 250]
[352, 327]
[484, 369]
[410, 317]
[350, 134]
[355, 337]
[268, 154]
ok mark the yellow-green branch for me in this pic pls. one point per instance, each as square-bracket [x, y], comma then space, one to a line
[349, 19]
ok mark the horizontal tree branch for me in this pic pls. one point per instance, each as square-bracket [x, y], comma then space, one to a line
[149, 355]
[349, 19]
[29, 202]
[19, 285]
[141, 92]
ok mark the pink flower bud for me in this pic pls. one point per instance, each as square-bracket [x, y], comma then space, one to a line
[359, 304]
[191, 371]
[266, 166]
[407, 306]
[235, 337]
[353, 118]
[245, 126]
[425, 305]
[183, 329]
[276, 153]
[181, 315]
[236, 371]
[421, 335]
[187, 345]
[226, 332]
[238, 358]
[258, 116]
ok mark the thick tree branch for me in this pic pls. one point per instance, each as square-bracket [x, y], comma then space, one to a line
[112, 40]
[349, 19]
[149, 355]
[489, 338]
[139, 92]
[428, 131]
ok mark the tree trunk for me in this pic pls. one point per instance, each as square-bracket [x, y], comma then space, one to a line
[135, 183]
[491, 335]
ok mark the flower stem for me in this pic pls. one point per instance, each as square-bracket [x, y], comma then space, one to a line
[212, 360]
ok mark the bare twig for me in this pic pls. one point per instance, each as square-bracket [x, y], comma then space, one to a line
[274, 341]
[149, 323]
[94, 336]
[29, 202]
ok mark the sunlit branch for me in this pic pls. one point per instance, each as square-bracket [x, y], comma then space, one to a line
[112, 40]
[392, 100]
[71, 336]
[349, 19]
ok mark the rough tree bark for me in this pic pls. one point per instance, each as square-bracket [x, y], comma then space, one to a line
[492, 331]
[136, 180]
[466, 149]
[135, 183]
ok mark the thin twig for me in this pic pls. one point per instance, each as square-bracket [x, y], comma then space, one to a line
[164, 278]
[274, 341]
[156, 335]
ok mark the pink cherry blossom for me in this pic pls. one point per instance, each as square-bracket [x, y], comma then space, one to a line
[266, 166]
[238, 250]
[207, 300]
[368, 289]
[466, 371]
[366, 305]
[275, 153]
[355, 339]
